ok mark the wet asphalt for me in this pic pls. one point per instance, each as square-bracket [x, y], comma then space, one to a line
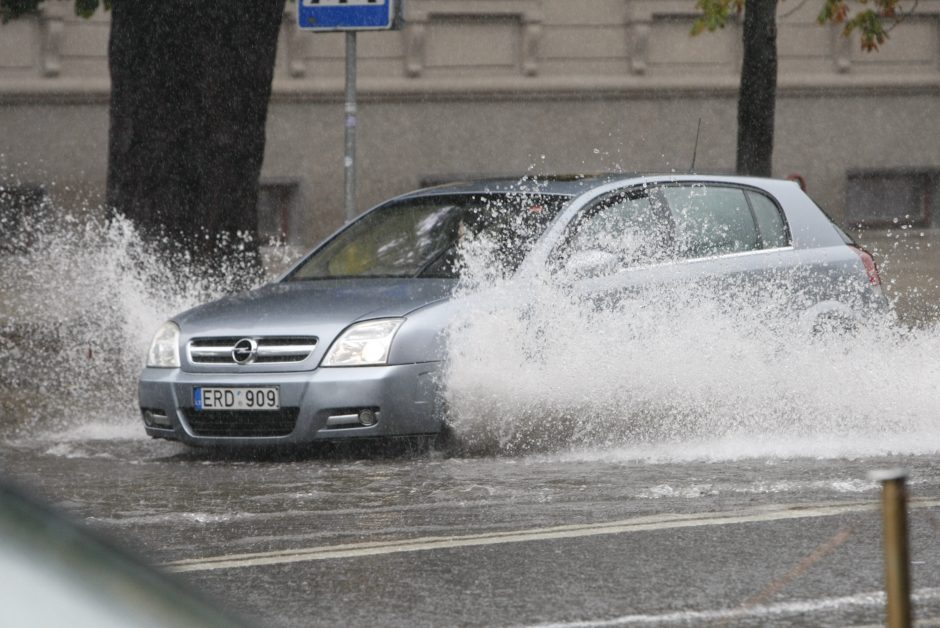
[407, 537]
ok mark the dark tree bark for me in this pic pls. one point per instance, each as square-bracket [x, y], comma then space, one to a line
[190, 85]
[758, 93]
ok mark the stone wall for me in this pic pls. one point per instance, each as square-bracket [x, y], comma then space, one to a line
[496, 87]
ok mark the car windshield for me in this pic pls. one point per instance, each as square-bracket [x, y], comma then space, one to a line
[419, 237]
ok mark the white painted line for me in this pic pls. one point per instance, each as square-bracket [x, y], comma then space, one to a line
[782, 609]
[637, 524]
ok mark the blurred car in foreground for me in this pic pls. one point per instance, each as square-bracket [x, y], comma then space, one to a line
[349, 343]
[56, 573]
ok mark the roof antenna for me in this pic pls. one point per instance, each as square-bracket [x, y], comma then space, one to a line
[695, 150]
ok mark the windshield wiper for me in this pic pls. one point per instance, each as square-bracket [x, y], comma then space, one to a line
[434, 260]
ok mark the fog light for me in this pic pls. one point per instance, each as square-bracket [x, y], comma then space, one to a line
[156, 418]
[367, 417]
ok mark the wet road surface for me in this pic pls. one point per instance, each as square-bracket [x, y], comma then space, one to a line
[573, 538]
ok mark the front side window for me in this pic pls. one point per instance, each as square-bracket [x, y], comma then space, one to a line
[419, 237]
[627, 227]
[619, 231]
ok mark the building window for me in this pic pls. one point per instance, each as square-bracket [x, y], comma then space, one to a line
[885, 198]
[278, 204]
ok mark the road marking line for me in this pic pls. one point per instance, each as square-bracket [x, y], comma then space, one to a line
[799, 607]
[637, 524]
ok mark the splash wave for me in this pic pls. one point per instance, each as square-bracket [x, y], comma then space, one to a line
[681, 372]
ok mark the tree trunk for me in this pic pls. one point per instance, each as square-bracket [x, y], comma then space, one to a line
[758, 92]
[190, 84]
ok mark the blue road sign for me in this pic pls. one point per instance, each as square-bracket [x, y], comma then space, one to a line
[346, 15]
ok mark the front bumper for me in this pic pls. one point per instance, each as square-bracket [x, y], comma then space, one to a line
[404, 397]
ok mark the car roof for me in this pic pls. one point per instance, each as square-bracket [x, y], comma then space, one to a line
[574, 184]
[561, 185]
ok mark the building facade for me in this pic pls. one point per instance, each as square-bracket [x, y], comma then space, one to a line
[474, 88]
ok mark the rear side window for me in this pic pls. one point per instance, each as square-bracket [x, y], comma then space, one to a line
[773, 229]
[711, 220]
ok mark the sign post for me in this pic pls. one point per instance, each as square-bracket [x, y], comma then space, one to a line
[896, 548]
[349, 16]
[349, 163]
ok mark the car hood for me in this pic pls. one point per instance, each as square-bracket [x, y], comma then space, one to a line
[297, 307]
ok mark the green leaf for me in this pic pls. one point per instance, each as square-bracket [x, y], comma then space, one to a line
[86, 8]
[12, 9]
[715, 14]
[869, 22]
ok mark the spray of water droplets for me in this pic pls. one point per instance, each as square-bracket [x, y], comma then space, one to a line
[533, 366]
[681, 371]
[81, 298]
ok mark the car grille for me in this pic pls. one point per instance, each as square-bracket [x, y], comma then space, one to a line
[275, 349]
[242, 423]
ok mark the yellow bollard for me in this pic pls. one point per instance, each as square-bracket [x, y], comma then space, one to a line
[897, 561]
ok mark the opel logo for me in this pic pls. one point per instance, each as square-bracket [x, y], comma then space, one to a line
[245, 351]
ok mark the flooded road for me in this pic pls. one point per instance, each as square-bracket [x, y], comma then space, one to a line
[710, 470]
[359, 537]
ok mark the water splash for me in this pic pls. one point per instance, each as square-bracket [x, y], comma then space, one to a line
[538, 368]
[681, 372]
[81, 298]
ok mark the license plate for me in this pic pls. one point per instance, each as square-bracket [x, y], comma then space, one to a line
[259, 398]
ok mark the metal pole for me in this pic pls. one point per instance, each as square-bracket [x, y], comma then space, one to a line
[350, 160]
[897, 561]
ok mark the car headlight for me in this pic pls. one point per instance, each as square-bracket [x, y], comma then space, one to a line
[165, 348]
[364, 344]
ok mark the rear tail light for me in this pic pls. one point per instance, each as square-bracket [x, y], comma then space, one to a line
[869, 262]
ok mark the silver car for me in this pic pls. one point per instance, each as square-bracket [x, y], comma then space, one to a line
[350, 342]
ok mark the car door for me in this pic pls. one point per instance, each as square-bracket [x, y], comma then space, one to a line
[719, 239]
